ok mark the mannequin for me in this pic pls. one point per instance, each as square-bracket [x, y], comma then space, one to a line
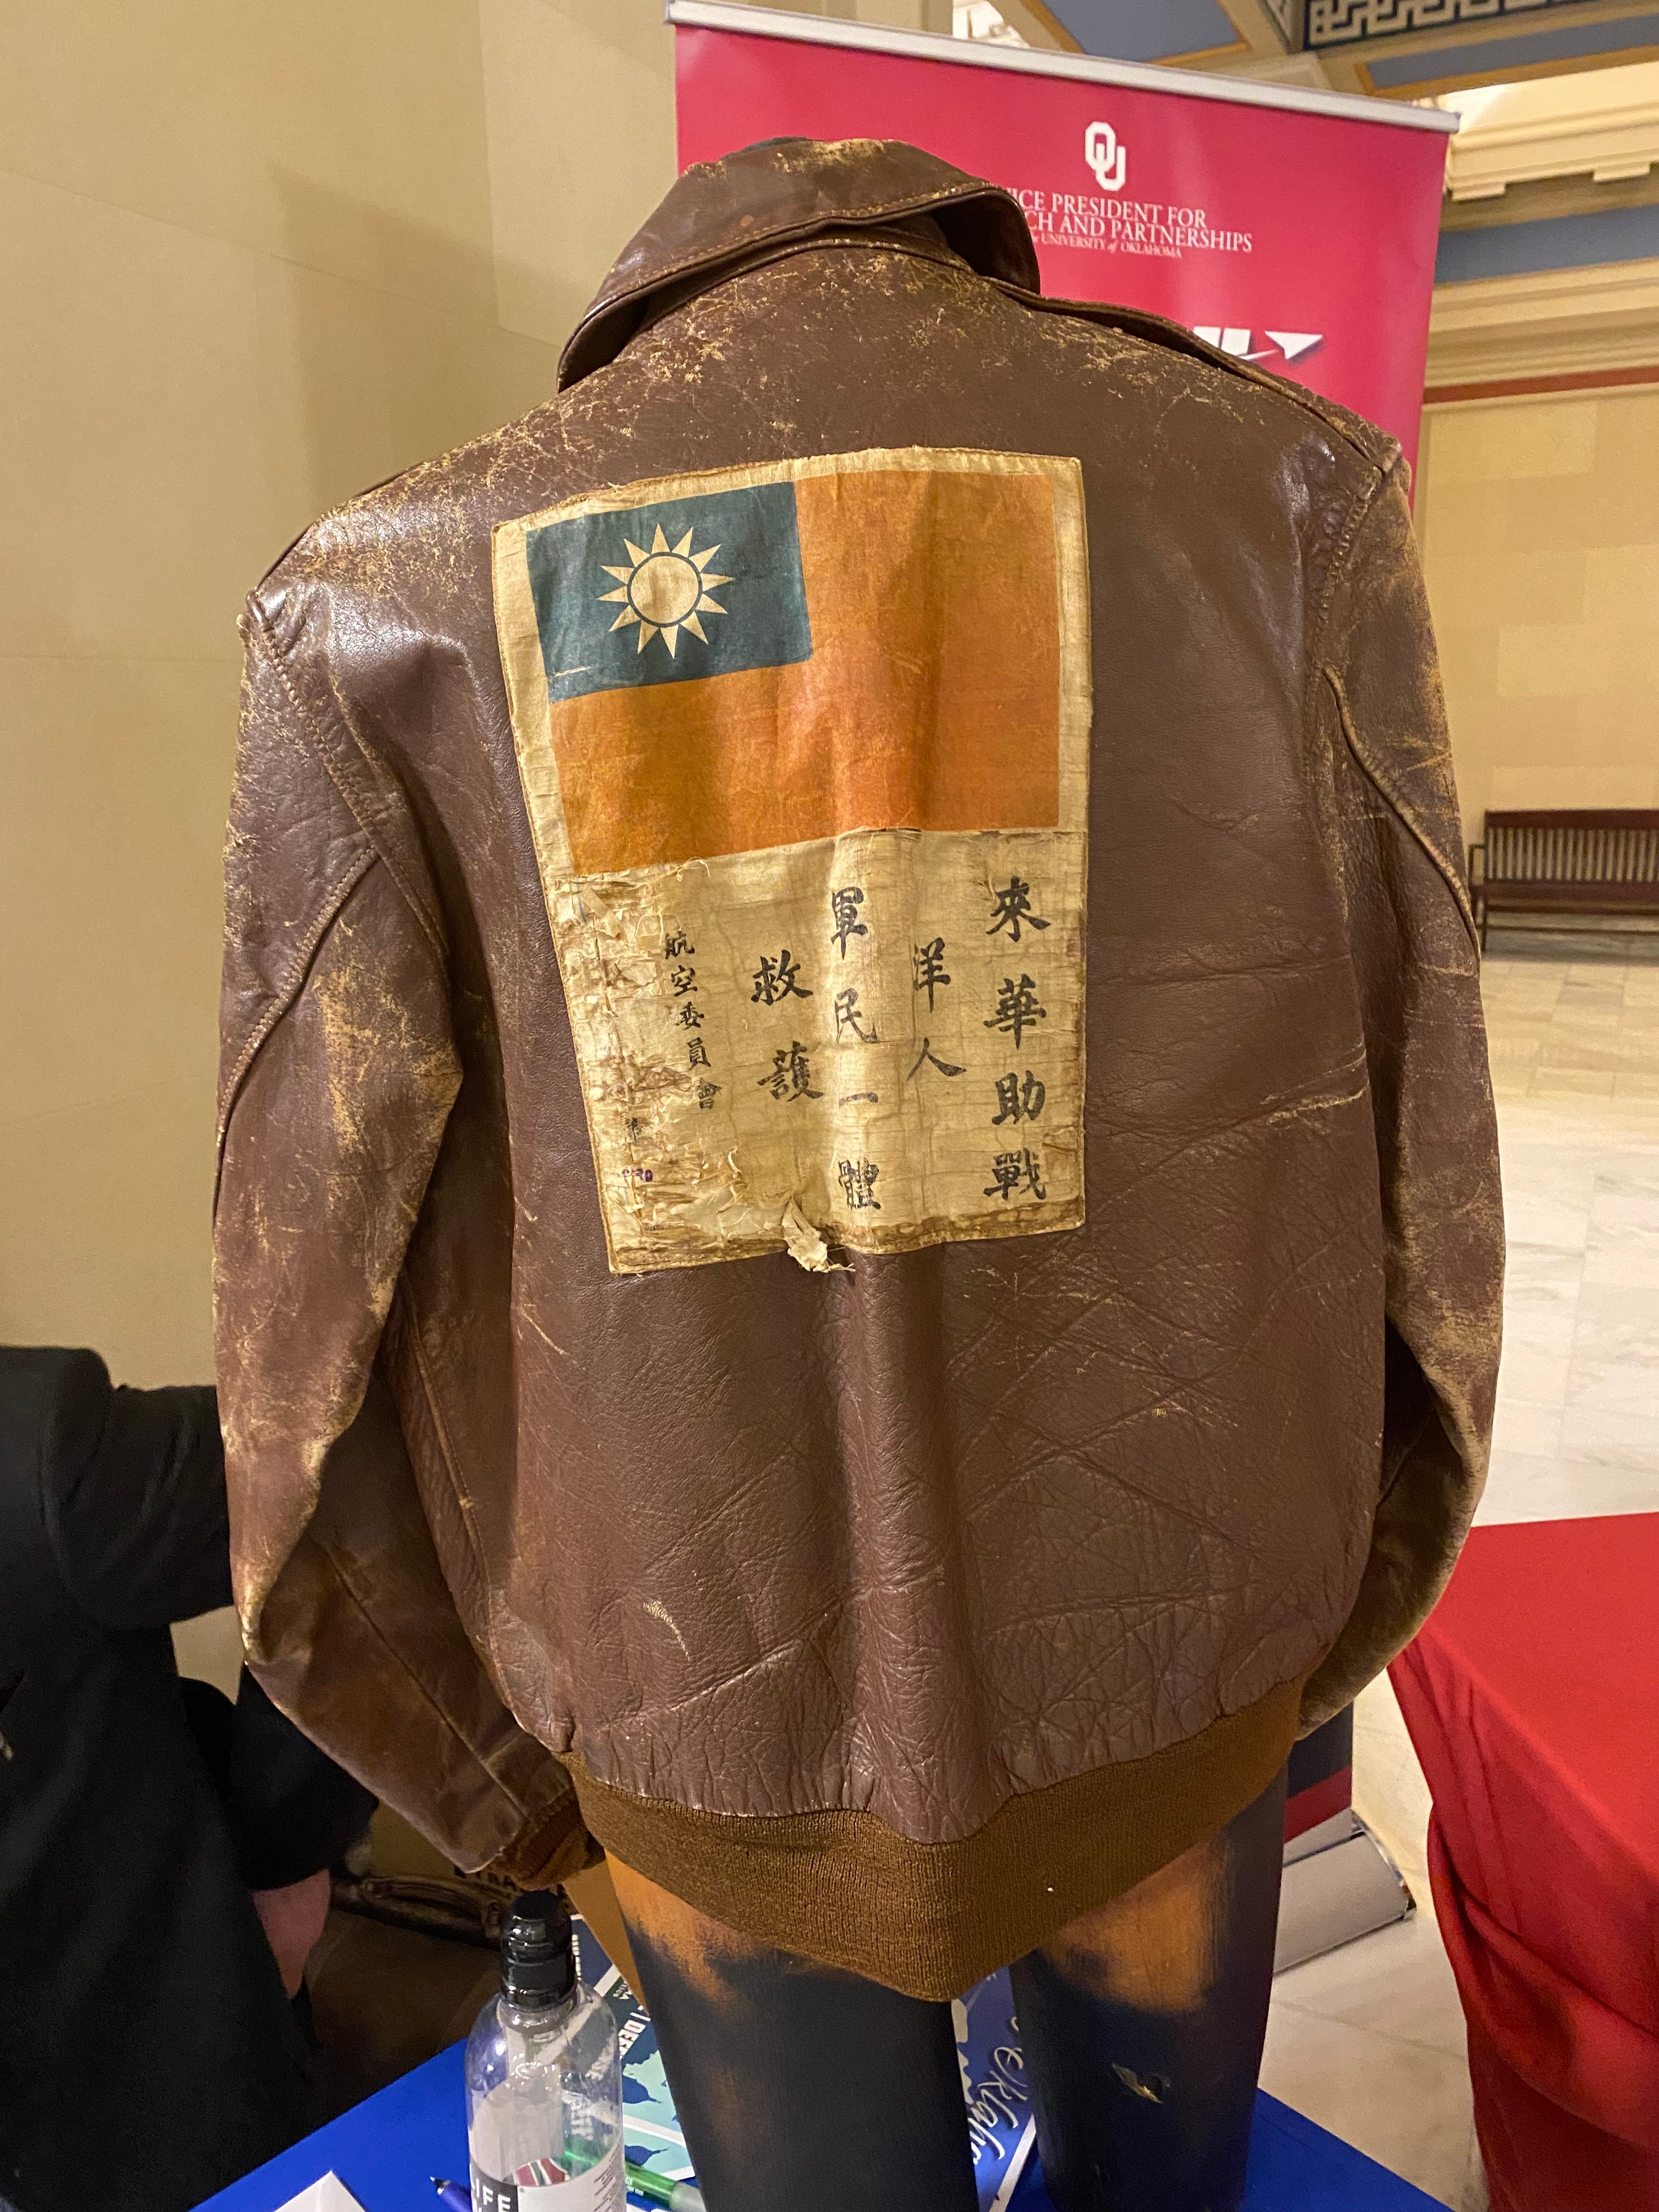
[859, 1242]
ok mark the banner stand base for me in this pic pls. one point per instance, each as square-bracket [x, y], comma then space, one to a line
[1339, 1884]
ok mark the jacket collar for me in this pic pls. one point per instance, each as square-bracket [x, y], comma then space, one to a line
[721, 214]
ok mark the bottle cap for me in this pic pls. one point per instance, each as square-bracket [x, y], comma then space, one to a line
[538, 1952]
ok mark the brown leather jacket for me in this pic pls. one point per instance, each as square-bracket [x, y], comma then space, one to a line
[892, 1450]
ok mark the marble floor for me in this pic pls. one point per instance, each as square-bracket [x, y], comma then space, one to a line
[1369, 2041]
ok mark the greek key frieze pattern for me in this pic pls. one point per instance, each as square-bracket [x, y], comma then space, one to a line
[1347, 23]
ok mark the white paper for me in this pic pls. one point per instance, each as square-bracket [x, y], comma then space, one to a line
[328, 2195]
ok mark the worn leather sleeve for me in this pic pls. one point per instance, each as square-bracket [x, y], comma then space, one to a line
[1384, 766]
[338, 1073]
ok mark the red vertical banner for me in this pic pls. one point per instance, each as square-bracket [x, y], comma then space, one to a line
[1296, 230]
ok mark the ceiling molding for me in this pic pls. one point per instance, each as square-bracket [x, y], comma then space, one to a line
[1548, 197]
[1460, 42]
[1359, 78]
[1562, 321]
[1270, 28]
[1609, 144]
[1207, 57]
[1271, 46]
[1517, 19]
[1282, 69]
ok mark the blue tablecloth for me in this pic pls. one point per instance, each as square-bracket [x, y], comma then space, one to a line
[387, 2148]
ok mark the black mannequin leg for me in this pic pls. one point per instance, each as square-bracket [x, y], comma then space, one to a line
[1143, 2024]
[798, 2085]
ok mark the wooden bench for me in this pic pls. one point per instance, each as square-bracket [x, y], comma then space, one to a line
[1566, 860]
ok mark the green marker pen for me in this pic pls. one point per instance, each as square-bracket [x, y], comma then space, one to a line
[677, 2195]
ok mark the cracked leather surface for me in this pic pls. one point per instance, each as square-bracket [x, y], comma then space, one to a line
[957, 1524]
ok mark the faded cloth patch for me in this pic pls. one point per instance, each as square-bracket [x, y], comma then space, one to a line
[806, 752]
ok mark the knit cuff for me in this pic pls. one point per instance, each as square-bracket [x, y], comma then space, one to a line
[554, 1846]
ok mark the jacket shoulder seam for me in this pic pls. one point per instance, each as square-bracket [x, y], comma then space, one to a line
[288, 989]
[365, 807]
[1358, 508]
[1146, 329]
[1382, 783]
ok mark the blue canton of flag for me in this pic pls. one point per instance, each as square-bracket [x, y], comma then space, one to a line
[670, 593]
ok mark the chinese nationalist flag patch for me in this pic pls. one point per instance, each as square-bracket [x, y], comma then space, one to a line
[805, 753]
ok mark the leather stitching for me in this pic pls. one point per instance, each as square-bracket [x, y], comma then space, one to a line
[1135, 322]
[1364, 499]
[411, 1332]
[368, 810]
[1403, 812]
[344, 1581]
[287, 991]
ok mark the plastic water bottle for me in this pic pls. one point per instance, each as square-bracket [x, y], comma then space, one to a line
[543, 2077]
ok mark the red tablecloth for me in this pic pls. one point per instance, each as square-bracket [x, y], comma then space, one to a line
[1533, 1698]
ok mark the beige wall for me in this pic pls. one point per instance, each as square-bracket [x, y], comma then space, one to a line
[1540, 521]
[254, 259]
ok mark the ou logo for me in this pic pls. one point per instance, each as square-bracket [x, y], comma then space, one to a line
[1106, 156]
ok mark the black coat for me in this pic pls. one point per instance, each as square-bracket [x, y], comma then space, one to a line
[148, 2053]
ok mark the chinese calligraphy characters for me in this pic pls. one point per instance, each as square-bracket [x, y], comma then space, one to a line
[1013, 907]
[682, 989]
[1011, 1171]
[791, 1073]
[1017, 1007]
[861, 1081]
[777, 978]
[847, 1018]
[928, 967]
[1017, 1100]
[928, 1056]
[844, 914]
[858, 1184]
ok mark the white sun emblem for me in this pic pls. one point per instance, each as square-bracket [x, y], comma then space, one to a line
[665, 590]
